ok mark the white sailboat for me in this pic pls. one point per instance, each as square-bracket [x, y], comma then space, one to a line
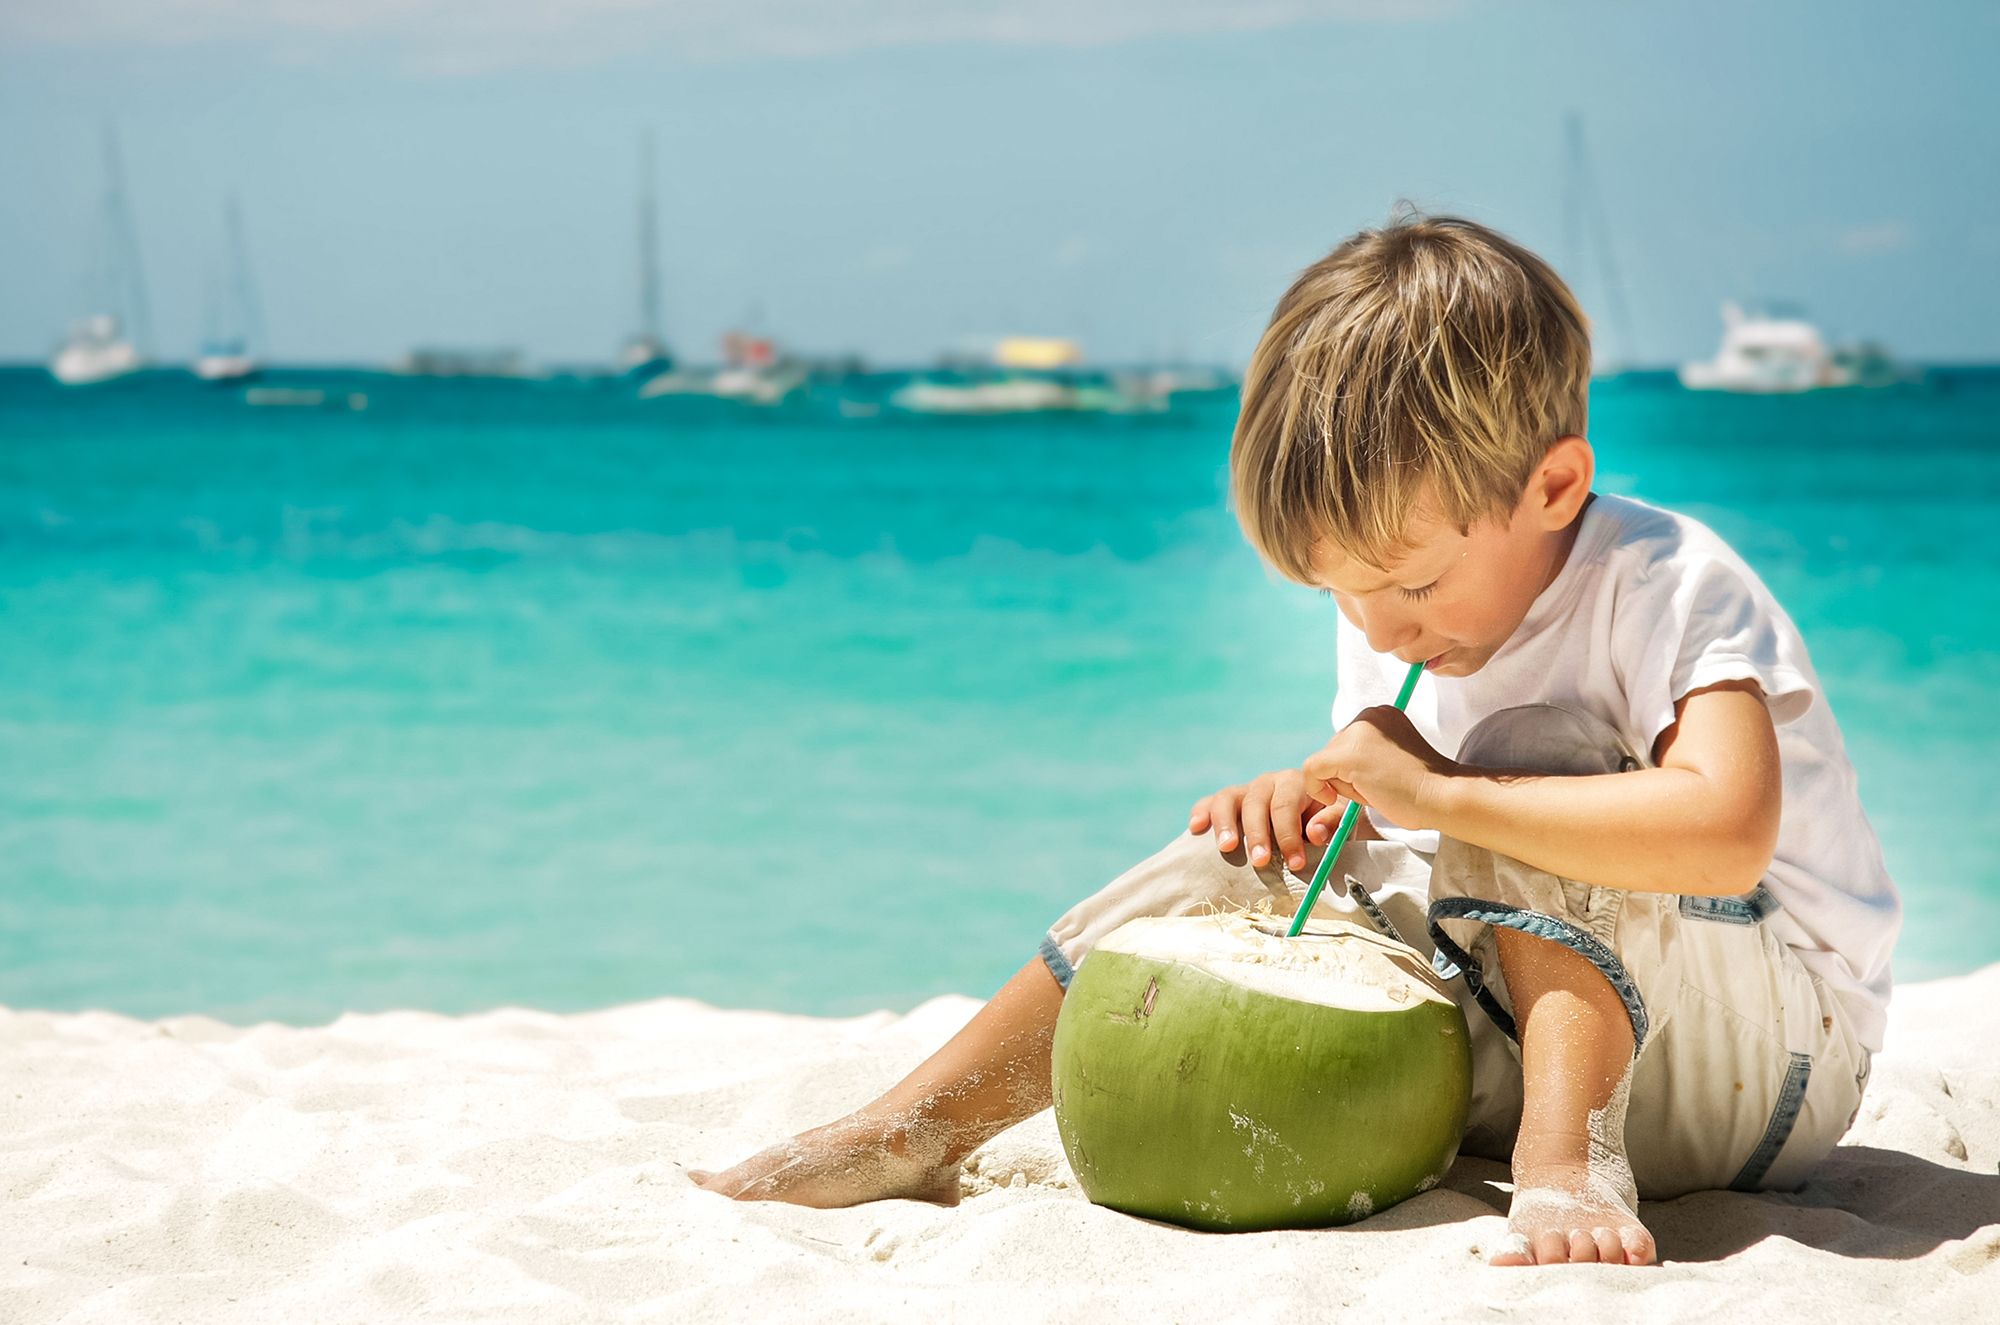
[1766, 355]
[97, 350]
[225, 361]
[645, 354]
[234, 317]
[99, 347]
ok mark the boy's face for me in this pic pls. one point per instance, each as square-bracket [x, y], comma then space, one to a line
[1451, 599]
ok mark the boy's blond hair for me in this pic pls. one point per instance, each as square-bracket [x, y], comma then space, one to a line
[1430, 356]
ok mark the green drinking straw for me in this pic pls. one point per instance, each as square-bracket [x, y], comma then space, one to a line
[1346, 822]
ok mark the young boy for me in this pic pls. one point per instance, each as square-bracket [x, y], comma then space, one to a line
[1618, 800]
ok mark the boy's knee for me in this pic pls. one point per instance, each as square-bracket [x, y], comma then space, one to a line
[1547, 738]
[1476, 893]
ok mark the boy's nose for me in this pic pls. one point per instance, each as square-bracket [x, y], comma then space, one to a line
[1388, 631]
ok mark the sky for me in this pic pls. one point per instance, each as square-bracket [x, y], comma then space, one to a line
[900, 177]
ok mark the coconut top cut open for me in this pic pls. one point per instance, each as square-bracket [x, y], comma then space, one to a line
[1331, 962]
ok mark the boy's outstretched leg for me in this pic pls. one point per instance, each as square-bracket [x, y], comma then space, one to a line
[1574, 1198]
[910, 1142]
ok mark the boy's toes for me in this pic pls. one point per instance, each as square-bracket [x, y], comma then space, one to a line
[1639, 1246]
[1583, 1247]
[1609, 1247]
[1551, 1248]
[1514, 1250]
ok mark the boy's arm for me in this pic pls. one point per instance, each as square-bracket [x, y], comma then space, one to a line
[1704, 822]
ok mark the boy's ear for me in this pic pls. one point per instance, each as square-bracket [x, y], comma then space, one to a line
[1561, 483]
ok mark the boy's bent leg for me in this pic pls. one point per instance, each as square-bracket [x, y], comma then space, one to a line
[911, 1141]
[995, 1071]
[1747, 1070]
[1574, 1198]
[1547, 959]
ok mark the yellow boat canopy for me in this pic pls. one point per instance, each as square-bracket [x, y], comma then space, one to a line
[1037, 352]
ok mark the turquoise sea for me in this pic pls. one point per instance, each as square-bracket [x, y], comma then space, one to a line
[529, 692]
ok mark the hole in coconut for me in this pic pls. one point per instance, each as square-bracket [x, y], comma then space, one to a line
[1280, 929]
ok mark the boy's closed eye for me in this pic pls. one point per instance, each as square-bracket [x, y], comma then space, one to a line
[1415, 595]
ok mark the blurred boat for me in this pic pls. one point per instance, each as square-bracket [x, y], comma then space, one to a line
[758, 386]
[645, 355]
[1031, 375]
[282, 397]
[96, 351]
[98, 348]
[642, 356]
[1869, 365]
[753, 372]
[1000, 395]
[225, 361]
[1766, 355]
[234, 315]
[1037, 353]
[1033, 393]
[443, 361]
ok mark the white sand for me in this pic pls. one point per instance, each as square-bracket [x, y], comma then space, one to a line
[523, 1166]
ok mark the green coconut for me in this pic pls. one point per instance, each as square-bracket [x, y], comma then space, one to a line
[1211, 1072]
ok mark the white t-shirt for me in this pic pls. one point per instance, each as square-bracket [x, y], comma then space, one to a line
[1649, 606]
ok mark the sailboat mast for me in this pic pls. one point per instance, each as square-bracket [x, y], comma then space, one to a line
[649, 262]
[242, 285]
[1584, 206]
[1572, 250]
[124, 238]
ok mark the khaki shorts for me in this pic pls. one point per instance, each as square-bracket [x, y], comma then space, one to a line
[1748, 1071]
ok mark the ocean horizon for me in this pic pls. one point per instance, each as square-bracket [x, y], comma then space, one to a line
[525, 691]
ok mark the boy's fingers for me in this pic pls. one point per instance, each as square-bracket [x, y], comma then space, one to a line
[1257, 823]
[1287, 812]
[1321, 826]
[1222, 817]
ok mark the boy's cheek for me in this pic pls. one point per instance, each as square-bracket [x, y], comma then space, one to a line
[1483, 628]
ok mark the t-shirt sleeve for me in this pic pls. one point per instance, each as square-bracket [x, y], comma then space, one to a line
[1700, 619]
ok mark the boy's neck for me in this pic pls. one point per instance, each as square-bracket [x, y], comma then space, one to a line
[1561, 542]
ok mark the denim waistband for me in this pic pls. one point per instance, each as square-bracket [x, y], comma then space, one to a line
[1753, 908]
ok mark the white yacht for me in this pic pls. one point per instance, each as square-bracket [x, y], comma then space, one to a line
[1766, 355]
[1002, 395]
[96, 351]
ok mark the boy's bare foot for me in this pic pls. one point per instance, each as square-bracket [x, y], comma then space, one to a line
[1574, 1199]
[909, 1143]
[1565, 1213]
[846, 1163]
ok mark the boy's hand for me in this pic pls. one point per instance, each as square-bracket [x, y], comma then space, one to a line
[1272, 809]
[1381, 760]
